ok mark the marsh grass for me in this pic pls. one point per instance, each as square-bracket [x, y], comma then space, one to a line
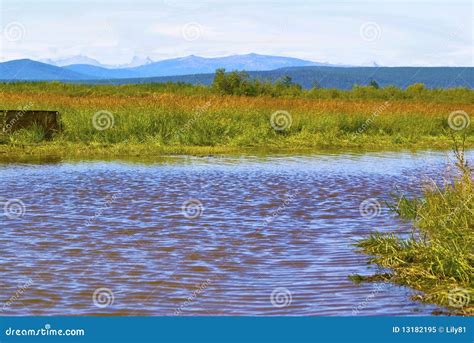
[34, 134]
[438, 257]
[173, 117]
[413, 93]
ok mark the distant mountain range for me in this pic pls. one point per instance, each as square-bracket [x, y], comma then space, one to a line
[81, 59]
[85, 68]
[336, 77]
[200, 70]
[28, 70]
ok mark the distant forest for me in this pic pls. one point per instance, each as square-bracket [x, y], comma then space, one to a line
[335, 77]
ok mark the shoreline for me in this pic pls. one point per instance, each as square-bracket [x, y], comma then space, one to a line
[60, 150]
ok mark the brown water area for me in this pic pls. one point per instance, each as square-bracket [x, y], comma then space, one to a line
[203, 236]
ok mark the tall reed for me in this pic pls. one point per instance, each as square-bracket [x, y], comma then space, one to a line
[438, 258]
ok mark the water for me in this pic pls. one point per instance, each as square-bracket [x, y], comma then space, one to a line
[274, 235]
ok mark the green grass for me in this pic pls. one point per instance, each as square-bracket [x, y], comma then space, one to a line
[415, 92]
[172, 118]
[438, 258]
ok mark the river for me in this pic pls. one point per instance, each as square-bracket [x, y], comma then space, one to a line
[246, 235]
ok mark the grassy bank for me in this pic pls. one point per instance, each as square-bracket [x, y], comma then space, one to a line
[140, 119]
[438, 258]
[237, 84]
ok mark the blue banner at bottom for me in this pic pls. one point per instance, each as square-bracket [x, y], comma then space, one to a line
[236, 329]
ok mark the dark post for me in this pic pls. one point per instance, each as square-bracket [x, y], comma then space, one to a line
[13, 120]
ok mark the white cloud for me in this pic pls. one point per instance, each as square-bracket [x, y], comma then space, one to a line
[421, 32]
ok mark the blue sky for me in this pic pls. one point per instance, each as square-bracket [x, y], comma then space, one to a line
[389, 33]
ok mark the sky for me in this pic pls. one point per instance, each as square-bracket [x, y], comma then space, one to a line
[389, 33]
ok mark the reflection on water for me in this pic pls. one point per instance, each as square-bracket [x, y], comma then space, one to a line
[255, 236]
